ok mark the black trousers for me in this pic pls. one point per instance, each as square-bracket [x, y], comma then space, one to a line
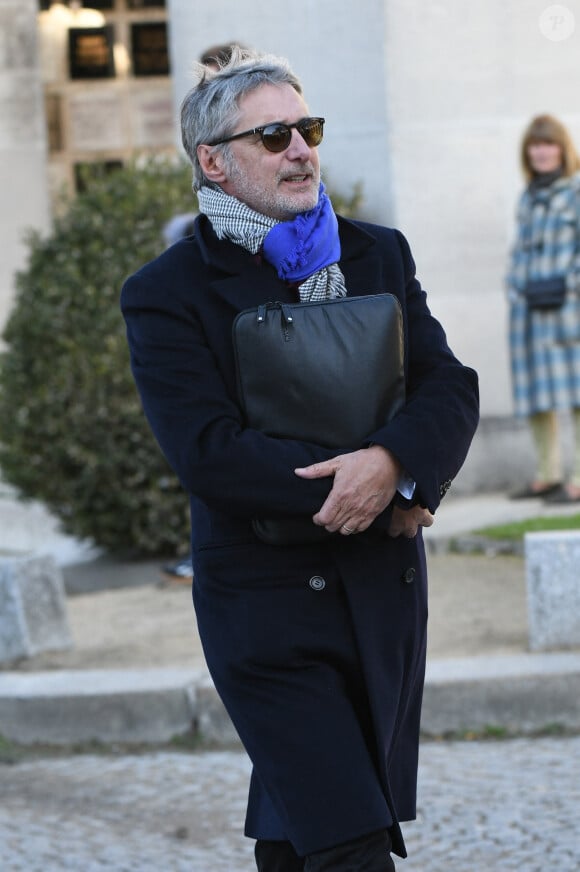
[368, 854]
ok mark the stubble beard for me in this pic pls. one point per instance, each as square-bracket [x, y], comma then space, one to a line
[271, 201]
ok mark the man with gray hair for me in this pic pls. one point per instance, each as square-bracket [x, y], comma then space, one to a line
[317, 647]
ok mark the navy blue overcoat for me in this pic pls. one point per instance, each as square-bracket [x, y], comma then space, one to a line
[318, 651]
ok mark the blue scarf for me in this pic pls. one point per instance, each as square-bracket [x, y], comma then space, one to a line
[302, 247]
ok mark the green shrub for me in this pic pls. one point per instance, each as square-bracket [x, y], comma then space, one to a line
[348, 205]
[72, 431]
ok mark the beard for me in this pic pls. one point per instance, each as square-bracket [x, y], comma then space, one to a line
[269, 199]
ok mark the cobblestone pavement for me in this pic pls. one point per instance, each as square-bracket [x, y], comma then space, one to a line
[510, 805]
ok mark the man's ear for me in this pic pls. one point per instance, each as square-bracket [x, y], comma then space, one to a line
[211, 162]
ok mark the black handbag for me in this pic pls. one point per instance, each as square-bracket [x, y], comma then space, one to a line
[331, 373]
[545, 293]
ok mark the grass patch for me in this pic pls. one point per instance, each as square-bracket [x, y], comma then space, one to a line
[498, 733]
[517, 529]
[188, 743]
[9, 753]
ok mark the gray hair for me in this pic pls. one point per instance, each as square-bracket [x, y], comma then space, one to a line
[210, 110]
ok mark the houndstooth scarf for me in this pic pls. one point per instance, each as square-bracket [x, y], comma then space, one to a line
[305, 250]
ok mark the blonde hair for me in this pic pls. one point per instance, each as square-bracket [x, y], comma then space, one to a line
[546, 128]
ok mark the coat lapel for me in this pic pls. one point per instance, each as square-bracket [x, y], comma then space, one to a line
[252, 286]
[241, 279]
[360, 265]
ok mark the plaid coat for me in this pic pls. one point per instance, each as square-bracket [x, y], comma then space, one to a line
[545, 345]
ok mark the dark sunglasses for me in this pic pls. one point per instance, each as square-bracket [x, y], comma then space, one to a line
[276, 137]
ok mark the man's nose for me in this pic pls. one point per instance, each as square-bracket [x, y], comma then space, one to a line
[297, 150]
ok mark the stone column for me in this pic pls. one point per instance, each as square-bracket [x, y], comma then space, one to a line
[23, 178]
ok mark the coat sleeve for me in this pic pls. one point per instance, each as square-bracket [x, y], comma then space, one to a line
[197, 423]
[573, 277]
[431, 435]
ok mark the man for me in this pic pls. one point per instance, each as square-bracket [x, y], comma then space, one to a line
[317, 650]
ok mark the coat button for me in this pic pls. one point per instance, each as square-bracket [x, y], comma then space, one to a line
[408, 575]
[444, 487]
[317, 582]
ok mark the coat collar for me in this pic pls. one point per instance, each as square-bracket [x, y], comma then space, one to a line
[239, 277]
[245, 282]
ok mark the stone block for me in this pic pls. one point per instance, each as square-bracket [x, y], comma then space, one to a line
[33, 615]
[553, 589]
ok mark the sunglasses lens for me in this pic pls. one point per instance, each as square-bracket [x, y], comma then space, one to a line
[276, 137]
[311, 130]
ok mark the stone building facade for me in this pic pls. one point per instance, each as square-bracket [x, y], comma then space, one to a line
[425, 104]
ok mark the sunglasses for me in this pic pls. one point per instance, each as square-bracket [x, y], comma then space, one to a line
[276, 137]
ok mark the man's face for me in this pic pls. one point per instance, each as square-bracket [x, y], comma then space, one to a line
[281, 184]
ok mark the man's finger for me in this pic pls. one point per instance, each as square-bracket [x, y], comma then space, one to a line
[317, 470]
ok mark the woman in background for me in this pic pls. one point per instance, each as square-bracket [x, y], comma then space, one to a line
[545, 333]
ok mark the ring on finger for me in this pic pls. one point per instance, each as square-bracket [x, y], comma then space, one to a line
[348, 530]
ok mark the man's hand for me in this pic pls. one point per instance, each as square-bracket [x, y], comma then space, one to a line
[364, 484]
[406, 522]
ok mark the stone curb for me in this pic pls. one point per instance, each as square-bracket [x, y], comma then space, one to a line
[521, 694]
[77, 706]
[524, 694]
